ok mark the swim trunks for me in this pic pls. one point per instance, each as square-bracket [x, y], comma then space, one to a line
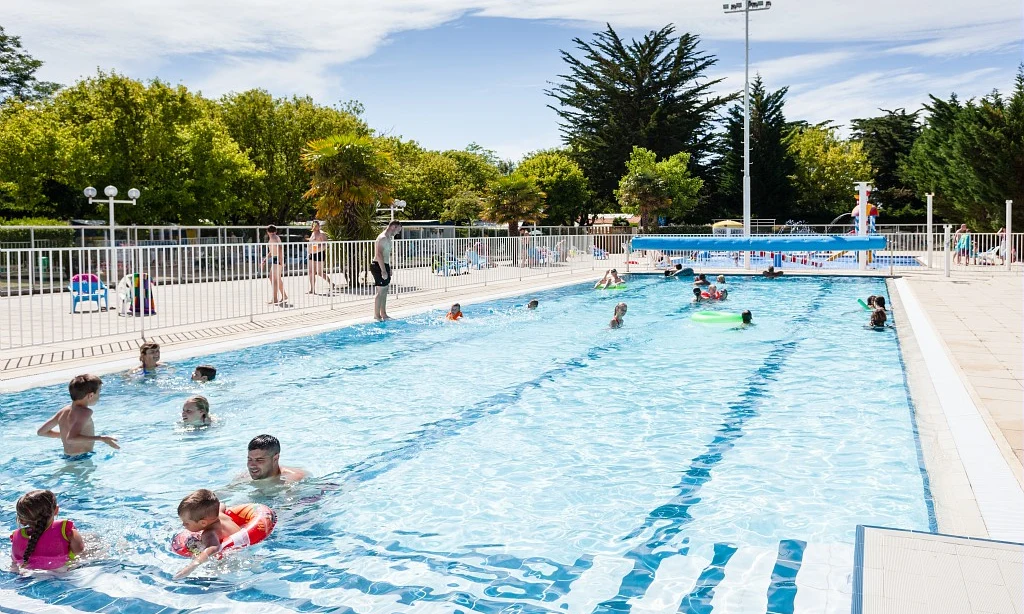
[78, 457]
[273, 260]
[317, 256]
[378, 278]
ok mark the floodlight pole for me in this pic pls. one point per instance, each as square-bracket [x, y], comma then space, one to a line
[747, 7]
[929, 229]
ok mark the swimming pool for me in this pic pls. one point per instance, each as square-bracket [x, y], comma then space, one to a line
[518, 460]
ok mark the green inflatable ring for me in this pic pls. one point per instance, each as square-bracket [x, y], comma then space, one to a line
[615, 287]
[716, 317]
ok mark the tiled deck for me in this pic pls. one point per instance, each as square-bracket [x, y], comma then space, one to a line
[907, 572]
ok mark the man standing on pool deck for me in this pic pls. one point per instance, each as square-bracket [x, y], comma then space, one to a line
[275, 255]
[262, 462]
[381, 269]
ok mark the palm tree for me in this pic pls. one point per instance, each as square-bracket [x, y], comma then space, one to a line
[513, 198]
[350, 175]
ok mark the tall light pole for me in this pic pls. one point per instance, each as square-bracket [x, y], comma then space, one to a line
[110, 192]
[746, 7]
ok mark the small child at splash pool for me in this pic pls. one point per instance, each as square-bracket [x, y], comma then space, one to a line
[43, 542]
[203, 512]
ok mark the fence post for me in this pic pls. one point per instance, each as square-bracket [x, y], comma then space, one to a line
[945, 243]
[1008, 238]
[930, 240]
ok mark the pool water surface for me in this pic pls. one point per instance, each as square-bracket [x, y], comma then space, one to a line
[517, 460]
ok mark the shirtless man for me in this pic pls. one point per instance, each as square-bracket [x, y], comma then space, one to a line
[262, 463]
[317, 251]
[74, 426]
[381, 269]
[275, 255]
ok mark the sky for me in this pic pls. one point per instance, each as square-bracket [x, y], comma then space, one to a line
[447, 73]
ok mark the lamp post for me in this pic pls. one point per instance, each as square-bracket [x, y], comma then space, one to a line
[396, 205]
[746, 7]
[110, 192]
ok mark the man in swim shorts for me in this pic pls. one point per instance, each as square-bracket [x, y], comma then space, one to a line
[262, 462]
[380, 268]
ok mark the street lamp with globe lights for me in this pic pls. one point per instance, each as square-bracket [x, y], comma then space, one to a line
[110, 192]
[746, 7]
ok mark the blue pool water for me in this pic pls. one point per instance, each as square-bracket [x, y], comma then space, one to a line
[521, 461]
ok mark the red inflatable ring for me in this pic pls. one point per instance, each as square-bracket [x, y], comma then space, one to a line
[257, 522]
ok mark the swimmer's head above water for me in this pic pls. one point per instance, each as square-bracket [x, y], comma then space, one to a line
[196, 411]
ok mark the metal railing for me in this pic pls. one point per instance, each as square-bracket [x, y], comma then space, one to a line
[53, 295]
[903, 252]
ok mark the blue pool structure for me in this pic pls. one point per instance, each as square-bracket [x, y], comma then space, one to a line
[516, 461]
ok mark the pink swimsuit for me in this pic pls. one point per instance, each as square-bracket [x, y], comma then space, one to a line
[53, 550]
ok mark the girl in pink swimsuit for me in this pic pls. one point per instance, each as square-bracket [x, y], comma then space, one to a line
[43, 542]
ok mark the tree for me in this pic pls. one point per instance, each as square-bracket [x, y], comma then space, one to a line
[464, 207]
[567, 195]
[350, 175]
[972, 156]
[650, 93]
[511, 199]
[272, 132]
[18, 72]
[887, 141]
[111, 130]
[653, 188]
[771, 165]
[826, 168]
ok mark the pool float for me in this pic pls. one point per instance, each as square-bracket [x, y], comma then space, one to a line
[716, 296]
[716, 317]
[621, 286]
[257, 522]
[863, 304]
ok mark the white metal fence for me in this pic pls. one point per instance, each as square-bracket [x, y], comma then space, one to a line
[53, 295]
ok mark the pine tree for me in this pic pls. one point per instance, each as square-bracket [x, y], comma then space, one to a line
[650, 93]
[887, 141]
[772, 194]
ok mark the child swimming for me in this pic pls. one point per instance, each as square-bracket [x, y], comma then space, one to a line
[203, 512]
[620, 312]
[43, 542]
[204, 373]
[196, 412]
[149, 357]
[74, 426]
[454, 313]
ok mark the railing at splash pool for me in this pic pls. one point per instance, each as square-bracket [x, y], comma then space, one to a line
[159, 287]
[903, 252]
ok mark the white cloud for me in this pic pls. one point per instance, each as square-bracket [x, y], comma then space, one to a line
[305, 38]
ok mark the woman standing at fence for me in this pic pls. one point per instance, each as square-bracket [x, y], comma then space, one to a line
[275, 258]
[317, 250]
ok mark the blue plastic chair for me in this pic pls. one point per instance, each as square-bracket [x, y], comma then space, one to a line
[86, 287]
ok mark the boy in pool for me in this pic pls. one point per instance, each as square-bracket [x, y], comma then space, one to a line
[746, 317]
[149, 356]
[196, 412]
[620, 311]
[697, 297]
[771, 273]
[532, 304]
[203, 512]
[701, 280]
[454, 313]
[204, 373]
[74, 426]
[880, 302]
